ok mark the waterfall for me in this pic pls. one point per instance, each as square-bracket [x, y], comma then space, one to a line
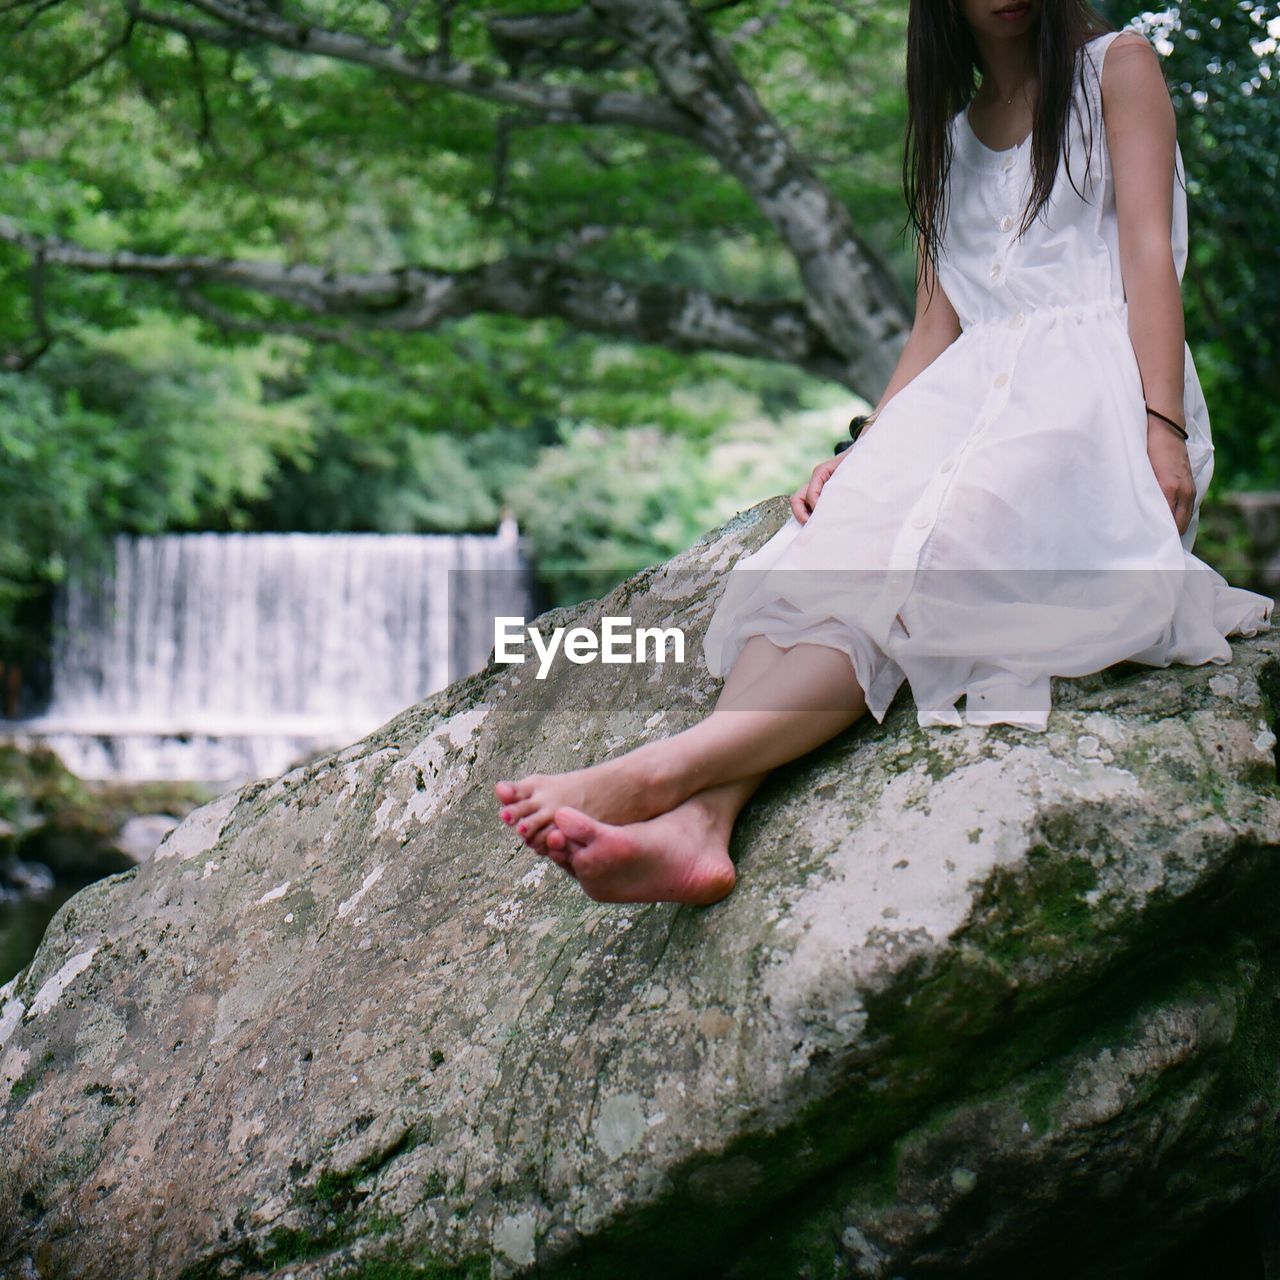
[229, 656]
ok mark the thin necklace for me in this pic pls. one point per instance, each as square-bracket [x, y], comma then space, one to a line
[1009, 101]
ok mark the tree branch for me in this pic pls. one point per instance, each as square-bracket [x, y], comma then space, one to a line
[94, 63]
[206, 134]
[558, 104]
[574, 39]
[37, 8]
[444, 30]
[220, 36]
[19, 359]
[508, 122]
[850, 294]
[342, 336]
[418, 299]
[850, 288]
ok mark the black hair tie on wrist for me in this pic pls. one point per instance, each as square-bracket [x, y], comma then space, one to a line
[855, 428]
[1182, 431]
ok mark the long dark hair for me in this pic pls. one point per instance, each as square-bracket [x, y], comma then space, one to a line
[942, 72]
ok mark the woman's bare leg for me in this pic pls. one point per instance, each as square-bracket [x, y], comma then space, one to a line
[691, 841]
[678, 856]
[796, 703]
[718, 806]
[757, 657]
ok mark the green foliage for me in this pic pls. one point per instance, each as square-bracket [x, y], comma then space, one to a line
[141, 418]
[137, 429]
[35, 786]
[46, 482]
[193, 432]
[1224, 77]
[607, 502]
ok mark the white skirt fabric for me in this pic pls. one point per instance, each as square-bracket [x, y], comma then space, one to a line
[1000, 523]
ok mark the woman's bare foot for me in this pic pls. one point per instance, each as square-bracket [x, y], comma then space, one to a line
[627, 789]
[680, 856]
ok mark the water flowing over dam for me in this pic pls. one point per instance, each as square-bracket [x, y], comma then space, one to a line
[229, 656]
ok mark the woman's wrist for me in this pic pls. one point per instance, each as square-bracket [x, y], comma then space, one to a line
[1170, 422]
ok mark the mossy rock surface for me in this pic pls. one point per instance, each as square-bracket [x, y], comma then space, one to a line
[72, 826]
[984, 1002]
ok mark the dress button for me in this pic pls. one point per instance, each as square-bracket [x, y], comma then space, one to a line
[1016, 322]
[920, 522]
[1001, 379]
[1008, 163]
[995, 270]
[946, 466]
[1006, 222]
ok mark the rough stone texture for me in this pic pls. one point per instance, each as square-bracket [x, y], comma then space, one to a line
[983, 1002]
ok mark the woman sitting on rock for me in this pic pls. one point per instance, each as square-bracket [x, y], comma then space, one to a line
[1044, 420]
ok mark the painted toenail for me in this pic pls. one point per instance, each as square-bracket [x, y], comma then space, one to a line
[521, 828]
[506, 816]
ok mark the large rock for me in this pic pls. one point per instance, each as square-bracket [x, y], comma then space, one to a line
[983, 1002]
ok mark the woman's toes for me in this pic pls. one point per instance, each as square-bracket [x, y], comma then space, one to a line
[512, 813]
[510, 790]
[575, 825]
[564, 862]
[538, 841]
[556, 841]
[533, 822]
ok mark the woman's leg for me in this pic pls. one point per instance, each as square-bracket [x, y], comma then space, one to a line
[717, 806]
[757, 657]
[681, 855]
[796, 703]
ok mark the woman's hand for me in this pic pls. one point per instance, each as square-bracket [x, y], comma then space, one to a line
[805, 498]
[1168, 454]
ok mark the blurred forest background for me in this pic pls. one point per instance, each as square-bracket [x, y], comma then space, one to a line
[408, 265]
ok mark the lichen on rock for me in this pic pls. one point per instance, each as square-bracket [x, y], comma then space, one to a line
[981, 997]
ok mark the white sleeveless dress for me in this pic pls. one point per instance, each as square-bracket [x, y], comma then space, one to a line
[1000, 522]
